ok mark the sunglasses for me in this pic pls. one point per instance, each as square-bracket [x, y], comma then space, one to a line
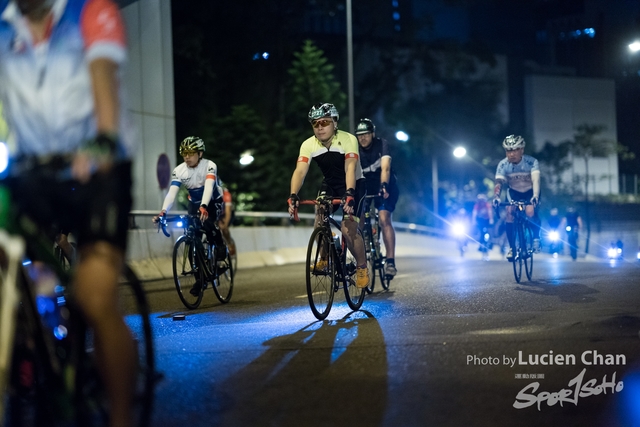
[321, 123]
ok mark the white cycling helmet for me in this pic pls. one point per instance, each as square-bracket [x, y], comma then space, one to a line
[513, 142]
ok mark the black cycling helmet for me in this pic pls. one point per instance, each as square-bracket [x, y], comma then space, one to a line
[365, 126]
[191, 144]
[323, 109]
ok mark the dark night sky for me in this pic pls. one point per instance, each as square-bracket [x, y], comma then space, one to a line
[520, 29]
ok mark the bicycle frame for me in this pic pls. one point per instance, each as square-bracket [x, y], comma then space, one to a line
[523, 250]
[65, 386]
[371, 234]
[195, 269]
[324, 248]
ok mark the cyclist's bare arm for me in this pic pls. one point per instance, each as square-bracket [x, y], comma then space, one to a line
[104, 86]
[385, 172]
[350, 164]
[299, 174]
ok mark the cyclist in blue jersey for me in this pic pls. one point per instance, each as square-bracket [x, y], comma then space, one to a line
[200, 178]
[336, 153]
[522, 175]
[375, 160]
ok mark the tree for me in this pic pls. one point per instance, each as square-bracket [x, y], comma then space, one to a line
[586, 144]
[312, 81]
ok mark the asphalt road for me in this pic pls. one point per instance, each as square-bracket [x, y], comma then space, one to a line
[454, 342]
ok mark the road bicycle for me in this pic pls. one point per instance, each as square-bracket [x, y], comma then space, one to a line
[371, 233]
[48, 369]
[195, 264]
[329, 264]
[523, 249]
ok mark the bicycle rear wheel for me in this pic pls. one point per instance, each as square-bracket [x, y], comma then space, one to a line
[188, 278]
[320, 270]
[517, 252]
[528, 250]
[223, 282]
[353, 294]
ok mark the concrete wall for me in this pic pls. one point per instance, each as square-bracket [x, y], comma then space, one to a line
[149, 83]
[556, 105]
[149, 252]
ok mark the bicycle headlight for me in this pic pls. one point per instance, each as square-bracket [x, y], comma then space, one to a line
[4, 157]
[553, 236]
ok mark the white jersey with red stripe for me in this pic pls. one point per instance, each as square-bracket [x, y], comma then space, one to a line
[194, 179]
[46, 86]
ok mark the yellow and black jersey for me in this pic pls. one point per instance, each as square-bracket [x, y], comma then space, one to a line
[331, 160]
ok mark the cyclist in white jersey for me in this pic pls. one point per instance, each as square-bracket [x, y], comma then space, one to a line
[522, 174]
[200, 177]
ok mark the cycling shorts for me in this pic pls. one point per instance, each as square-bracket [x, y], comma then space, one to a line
[334, 192]
[388, 204]
[518, 196]
[93, 212]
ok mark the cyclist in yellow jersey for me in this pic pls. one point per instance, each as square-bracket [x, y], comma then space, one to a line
[336, 153]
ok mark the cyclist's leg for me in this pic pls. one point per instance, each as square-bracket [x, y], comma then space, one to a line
[101, 209]
[212, 231]
[386, 207]
[62, 240]
[354, 240]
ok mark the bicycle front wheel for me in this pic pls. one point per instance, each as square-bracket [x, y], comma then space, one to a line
[353, 294]
[517, 253]
[223, 283]
[528, 249]
[90, 395]
[320, 271]
[370, 253]
[188, 278]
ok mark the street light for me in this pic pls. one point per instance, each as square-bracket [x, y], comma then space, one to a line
[402, 136]
[246, 158]
[634, 47]
[458, 152]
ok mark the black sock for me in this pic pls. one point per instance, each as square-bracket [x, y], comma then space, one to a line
[391, 261]
[510, 234]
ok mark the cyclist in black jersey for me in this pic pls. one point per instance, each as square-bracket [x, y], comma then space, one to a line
[336, 153]
[381, 179]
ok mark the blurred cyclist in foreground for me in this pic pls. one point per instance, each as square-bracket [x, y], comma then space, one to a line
[60, 84]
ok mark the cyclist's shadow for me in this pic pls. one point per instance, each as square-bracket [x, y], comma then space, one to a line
[332, 372]
[565, 291]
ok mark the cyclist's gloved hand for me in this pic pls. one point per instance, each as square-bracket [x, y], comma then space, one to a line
[156, 218]
[96, 154]
[534, 201]
[496, 202]
[383, 190]
[204, 214]
[349, 201]
[294, 202]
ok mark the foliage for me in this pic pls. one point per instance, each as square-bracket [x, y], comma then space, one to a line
[554, 161]
[312, 82]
